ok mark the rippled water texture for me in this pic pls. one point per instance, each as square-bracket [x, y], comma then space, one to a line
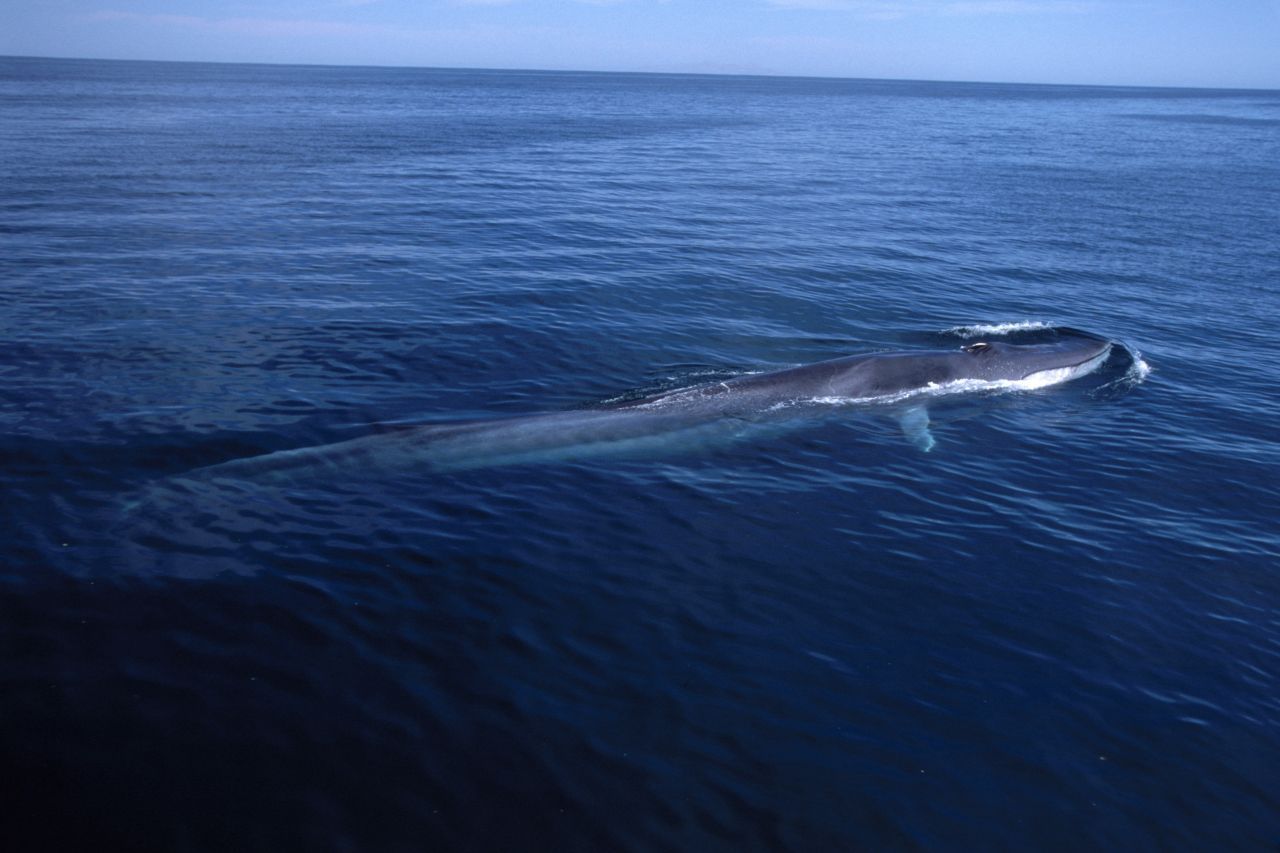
[1058, 629]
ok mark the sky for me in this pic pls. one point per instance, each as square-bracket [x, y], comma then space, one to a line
[1215, 43]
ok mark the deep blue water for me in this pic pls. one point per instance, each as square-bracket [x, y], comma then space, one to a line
[1060, 629]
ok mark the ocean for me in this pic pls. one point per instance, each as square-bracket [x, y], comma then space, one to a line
[1058, 629]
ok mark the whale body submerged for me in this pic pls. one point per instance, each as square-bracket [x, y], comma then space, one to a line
[702, 414]
[716, 411]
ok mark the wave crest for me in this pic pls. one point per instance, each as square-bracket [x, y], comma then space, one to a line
[997, 328]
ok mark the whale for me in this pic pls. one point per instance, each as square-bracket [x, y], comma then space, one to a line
[708, 413]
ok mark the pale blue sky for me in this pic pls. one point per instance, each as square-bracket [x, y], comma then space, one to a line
[1141, 42]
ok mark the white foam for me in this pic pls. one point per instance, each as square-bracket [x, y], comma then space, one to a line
[997, 328]
[1138, 371]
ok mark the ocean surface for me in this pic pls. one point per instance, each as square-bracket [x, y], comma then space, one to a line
[1059, 629]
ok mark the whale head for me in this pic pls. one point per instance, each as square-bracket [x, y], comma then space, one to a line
[1033, 364]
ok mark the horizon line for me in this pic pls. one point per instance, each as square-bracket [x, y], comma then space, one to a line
[735, 74]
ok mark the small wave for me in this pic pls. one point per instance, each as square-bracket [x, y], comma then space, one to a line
[1137, 372]
[1140, 369]
[997, 328]
[674, 385]
[714, 372]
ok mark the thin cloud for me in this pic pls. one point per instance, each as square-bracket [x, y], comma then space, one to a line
[1016, 7]
[435, 40]
[248, 26]
[890, 10]
[513, 2]
[837, 5]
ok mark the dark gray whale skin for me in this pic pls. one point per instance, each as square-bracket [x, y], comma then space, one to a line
[713, 412]
[861, 377]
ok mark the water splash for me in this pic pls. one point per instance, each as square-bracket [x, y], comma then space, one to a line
[1139, 370]
[1135, 374]
[997, 328]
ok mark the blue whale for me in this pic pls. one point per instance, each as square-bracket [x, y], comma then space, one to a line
[710, 413]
